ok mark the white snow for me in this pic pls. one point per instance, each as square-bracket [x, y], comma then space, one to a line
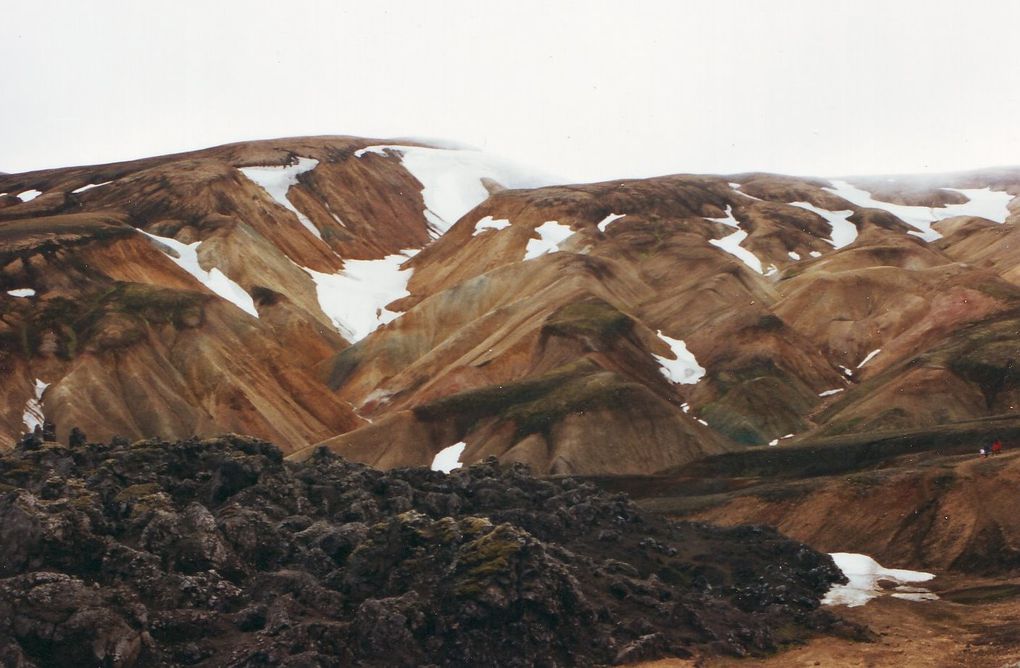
[685, 407]
[683, 368]
[815, 254]
[452, 179]
[22, 292]
[794, 256]
[90, 186]
[731, 242]
[983, 202]
[736, 186]
[490, 223]
[277, 180]
[829, 393]
[608, 220]
[33, 407]
[843, 231]
[448, 458]
[868, 357]
[29, 195]
[846, 371]
[551, 235]
[215, 280]
[864, 574]
[701, 421]
[355, 298]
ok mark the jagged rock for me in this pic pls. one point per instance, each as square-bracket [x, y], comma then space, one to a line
[76, 438]
[219, 552]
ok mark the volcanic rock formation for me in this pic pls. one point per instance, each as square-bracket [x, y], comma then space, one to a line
[220, 553]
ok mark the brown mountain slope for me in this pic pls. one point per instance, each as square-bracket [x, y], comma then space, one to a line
[631, 325]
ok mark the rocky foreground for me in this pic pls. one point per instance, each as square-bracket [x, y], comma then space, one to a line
[220, 553]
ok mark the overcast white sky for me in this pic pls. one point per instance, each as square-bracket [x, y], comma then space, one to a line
[589, 90]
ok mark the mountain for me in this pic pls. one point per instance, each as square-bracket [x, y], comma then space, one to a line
[390, 299]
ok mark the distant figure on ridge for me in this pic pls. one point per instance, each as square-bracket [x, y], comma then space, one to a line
[77, 438]
[983, 452]
[996, 446]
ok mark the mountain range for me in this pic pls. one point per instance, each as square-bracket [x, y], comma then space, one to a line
[390, 298]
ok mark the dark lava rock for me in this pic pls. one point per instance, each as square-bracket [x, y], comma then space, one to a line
[220, 553]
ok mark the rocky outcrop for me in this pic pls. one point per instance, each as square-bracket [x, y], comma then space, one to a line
[218, 552]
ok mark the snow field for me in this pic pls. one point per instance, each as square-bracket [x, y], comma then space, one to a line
[215, 280]
[276, 180]
[863, 572]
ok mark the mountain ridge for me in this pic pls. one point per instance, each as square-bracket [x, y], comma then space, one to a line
[794, 324]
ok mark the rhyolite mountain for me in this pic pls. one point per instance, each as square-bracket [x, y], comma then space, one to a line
[391, 298]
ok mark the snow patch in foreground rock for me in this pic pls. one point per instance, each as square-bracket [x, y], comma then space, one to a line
[452, 179]
[683, 368]
[355, 298]
[185, 256]
[448, 458]
[33, 415]
[276, 180]
[864, 574]
[551, 234]
[29, 195]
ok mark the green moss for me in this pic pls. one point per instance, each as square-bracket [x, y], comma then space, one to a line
[135, 492]
[131, 306]
[535, 404]
[593, 319]
[486, 558]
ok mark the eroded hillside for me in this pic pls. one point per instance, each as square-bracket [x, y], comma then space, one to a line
[392, 299]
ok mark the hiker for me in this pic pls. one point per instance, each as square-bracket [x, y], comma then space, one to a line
[983, 452]
[996, 447]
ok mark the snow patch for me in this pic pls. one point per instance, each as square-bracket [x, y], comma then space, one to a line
[277, 181]
[355, 298]
[551, 235]
[794, 256]
[983, 202]
[868, 357]
[22, 292]
[736, 187]
[864, 574]
[829, 393]
[90, 187]
[846, 371]
[452, 179]
[185, 256]
[29, 195]
[608, 220]
[33, 415]
[490, 223]
[448, 458]
[843, 231]
[815, 254]
[731, 242]
[683, 368]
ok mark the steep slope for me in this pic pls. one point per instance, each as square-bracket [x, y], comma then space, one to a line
[298, 289]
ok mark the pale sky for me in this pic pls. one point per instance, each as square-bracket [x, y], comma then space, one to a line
[588, 90]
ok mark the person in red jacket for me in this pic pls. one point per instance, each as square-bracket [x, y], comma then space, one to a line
[996, 446]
